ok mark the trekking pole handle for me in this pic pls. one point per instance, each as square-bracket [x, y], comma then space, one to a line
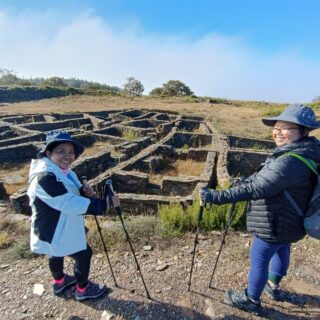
[202, 202]
[110, 194]
[86, 184]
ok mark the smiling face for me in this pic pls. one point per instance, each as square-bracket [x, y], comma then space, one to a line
[62, 155]
[285, 132]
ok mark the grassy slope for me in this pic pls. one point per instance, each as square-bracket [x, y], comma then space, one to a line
[241, 118]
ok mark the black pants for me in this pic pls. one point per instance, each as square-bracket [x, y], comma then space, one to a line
[81, 266]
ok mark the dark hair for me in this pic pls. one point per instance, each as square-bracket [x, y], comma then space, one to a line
[304, 131]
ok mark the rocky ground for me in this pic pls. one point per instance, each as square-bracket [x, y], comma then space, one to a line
[25, 287]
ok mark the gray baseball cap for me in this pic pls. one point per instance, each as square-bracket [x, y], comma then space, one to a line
[300, 114]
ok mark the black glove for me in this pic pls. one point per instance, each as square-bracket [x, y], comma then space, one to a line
[205, 196]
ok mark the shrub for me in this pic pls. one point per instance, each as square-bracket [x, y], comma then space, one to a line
[175, 221]
[130, 134]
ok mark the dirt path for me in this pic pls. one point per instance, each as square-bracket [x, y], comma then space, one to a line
[166, 270]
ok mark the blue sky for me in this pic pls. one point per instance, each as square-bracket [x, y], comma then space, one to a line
[239, 49]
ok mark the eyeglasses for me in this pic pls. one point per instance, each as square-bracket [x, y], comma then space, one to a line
[282, 130]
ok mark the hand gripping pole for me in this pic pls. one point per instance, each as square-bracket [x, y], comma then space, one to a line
[110, 193]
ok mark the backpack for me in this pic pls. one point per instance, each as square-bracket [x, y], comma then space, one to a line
[311, 216]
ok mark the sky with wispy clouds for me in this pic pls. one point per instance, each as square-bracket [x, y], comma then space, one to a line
[250, 50]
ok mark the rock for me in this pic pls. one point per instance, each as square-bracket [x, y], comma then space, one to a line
[244, 235]
[106, 315]
[147, 248]
[38, 289]
[162, 267]
[3, 266]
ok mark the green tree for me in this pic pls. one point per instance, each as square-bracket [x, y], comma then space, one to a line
[156, 92]
[176, 88]
[133, 88]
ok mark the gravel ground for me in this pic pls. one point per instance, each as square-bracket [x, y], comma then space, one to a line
[166, 270]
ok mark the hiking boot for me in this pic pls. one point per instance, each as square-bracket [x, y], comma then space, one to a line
[240, 299]
[67, 282]
[91, 291]
[273, 293]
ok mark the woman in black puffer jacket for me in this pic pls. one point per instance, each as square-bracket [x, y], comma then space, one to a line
[270, 217]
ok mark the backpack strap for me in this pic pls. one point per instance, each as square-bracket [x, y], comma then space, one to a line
[293, 203]
[312, 165]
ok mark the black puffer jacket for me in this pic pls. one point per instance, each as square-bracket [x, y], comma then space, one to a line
[270, 216]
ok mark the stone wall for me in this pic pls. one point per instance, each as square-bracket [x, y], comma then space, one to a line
[244, 163]
[247, 143]
[18, 154]
[163, 141]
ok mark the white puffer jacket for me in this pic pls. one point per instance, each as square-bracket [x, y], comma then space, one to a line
[58, 210]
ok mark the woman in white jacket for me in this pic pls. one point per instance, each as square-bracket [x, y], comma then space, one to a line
[59, 203]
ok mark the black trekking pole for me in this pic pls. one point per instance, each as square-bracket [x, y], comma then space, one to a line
[231, 213]
[195, 242]
[85, 182]
[110, 193]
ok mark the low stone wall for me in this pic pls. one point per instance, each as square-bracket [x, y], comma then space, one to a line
[180, 139]
[209, 173]
[18, 154]
[178, 186]
[144, 123]
[244, 163]
[248, 143]
[20, 140]
[20, 202]
[148, 204]
[130, 182]
[93, 166]
[71, 123]
[187, 125]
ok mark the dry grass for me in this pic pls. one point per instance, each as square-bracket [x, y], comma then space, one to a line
[97, 148]
[178, 168]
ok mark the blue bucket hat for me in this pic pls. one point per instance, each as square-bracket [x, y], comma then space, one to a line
[300, 114]
[59, 136]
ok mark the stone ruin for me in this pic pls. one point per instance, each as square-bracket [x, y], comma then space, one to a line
[141, 151]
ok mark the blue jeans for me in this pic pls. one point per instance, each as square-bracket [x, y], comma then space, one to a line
[262, 253]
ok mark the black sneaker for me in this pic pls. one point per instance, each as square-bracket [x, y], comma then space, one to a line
[240, 299]
[273, 293]
[68, 281]
[92, 291]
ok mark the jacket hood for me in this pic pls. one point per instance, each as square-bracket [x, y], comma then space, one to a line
[41, 165]
[307, 147]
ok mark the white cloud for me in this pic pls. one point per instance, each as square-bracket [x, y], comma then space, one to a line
[85, 46]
